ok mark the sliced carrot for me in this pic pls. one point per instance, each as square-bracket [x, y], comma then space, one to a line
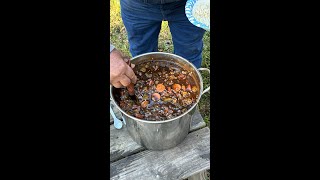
[169, 89]
[144, 104]
[176, 87]
[160, 87]
[155, 96]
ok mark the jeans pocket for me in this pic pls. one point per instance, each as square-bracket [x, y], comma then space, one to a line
[133, 6]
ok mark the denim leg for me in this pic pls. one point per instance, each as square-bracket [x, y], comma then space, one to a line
[187, 38]
[143, 23]
[187, 43]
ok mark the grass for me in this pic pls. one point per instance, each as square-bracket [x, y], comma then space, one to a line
[118, 37]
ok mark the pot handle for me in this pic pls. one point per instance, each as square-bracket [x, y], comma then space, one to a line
[208, 88]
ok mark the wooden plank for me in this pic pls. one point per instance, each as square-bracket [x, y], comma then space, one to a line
[121, 144]
[203, 175]
[190, 157]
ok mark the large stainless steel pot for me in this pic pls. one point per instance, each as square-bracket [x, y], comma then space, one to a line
[161, 135]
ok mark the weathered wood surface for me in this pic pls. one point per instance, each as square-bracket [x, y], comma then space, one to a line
[203, 175]
[188, 158]
[121, 144]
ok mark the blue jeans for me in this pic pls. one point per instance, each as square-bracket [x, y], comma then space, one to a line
[143, 23]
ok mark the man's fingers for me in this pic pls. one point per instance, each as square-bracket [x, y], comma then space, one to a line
[134, 79]
[125, 81]
[130, 74]
[126, 59]
[117, 85]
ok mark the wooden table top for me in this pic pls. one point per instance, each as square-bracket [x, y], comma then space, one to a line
[129, 160]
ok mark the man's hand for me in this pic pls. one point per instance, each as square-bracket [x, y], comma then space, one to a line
[121, 74]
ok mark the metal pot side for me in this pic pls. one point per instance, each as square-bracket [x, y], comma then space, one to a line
[161, 135]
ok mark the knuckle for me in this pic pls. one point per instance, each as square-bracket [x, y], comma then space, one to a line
[126, 83]
[117, 86]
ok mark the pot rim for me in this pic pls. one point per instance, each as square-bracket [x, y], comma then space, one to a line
[168, 120]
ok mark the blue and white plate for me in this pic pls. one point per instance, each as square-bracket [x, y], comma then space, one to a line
[188, 10]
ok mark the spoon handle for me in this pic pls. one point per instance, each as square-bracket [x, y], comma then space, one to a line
[117, 123]
[112, 113]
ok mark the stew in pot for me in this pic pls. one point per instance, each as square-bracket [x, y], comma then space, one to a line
[164, 90]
